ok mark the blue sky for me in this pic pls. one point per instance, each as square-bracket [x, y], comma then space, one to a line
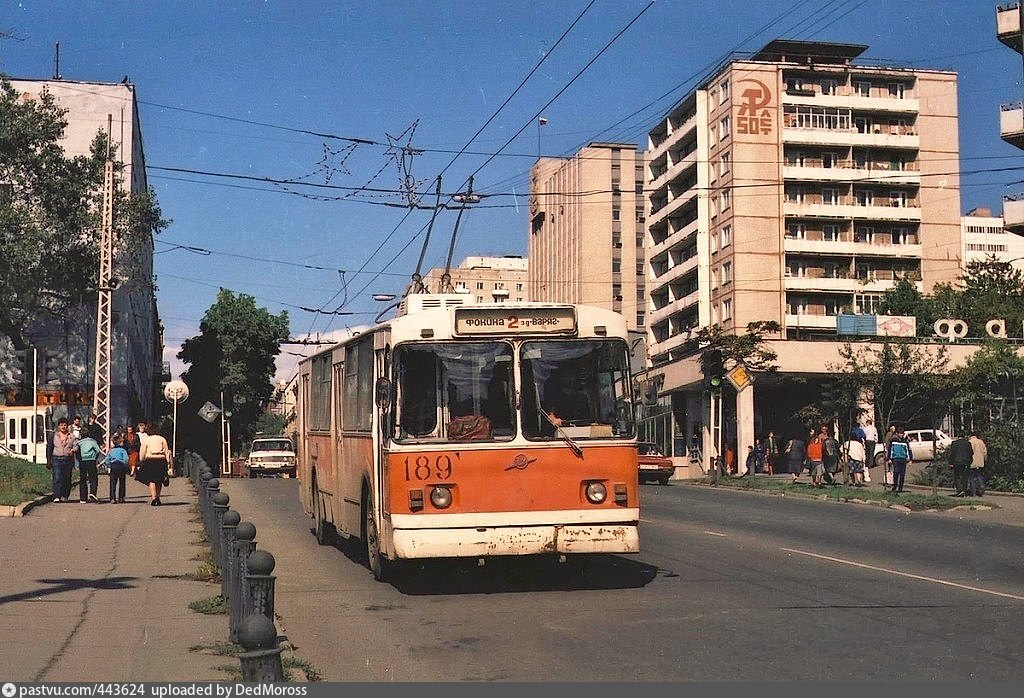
[301, 91]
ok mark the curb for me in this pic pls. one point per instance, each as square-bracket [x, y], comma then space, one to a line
[24, 507]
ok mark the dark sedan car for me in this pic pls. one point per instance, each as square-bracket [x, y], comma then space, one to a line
[655, 466]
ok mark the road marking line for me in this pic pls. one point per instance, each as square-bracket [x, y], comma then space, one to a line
[904, 574]
[712, 533]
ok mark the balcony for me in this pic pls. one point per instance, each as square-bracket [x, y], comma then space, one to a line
[1011, 123]
[892, 105]
[1008, 25]
[850, 285]
[845, 173]
[820, 322]
[849, 248]
[1013, 214]
[848, 211]
[879, 137]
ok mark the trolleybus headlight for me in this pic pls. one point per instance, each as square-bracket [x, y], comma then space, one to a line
[596, 492]
[441, 496]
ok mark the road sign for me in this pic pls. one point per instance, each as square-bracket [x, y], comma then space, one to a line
[209, 412]
[175, 391]
[739, 377]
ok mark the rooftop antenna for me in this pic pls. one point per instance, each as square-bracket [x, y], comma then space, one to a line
[417, 280]
[468, 198]
[56, 62]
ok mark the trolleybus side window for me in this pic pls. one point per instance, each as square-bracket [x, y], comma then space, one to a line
[319, 414]
[581, 384]
[454, 391]
[357, 409]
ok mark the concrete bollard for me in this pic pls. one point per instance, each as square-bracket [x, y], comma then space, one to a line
[227, 545]
[259, 599]
[212, 488]
[204, 478]
[261, 661]
[220, 505]
[245, 537]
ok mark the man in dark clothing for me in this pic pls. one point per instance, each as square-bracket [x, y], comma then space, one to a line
[796, 453]
[830, 457]
[959, 455]
[899, 456]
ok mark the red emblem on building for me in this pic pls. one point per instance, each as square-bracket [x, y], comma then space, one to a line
[754, 117]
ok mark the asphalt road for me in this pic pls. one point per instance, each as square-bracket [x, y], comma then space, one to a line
[729, 586]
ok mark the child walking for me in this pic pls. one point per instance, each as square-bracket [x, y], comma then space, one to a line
[117, 461]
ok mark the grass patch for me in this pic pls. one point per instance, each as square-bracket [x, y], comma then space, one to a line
[293, 668]
[22, 481]
[213, 606]
[208, 570]
[915, 501]
[218, 649]
[292, 664]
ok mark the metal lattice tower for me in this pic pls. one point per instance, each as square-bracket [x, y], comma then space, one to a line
[101, 376]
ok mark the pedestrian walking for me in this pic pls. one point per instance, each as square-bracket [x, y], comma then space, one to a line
[95, 430]
[89, 453]
[898, 456]
[750, 464]
[830, 455]
[771, 452]
[870, 439]
[796, 455]
[132, 443]
[815, 460]
[890, 434]
[60, 459]
[156, 465]
[960, 454]
[979, 456]
[853, 450]
[117, 467]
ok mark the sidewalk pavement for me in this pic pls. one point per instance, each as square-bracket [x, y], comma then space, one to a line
[97, 592]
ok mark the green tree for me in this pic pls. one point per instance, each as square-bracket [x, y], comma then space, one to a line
[51, 203]
[904, 299]
[233, 355]
[751, 347]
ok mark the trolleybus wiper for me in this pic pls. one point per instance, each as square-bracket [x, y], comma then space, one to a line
[561, 432]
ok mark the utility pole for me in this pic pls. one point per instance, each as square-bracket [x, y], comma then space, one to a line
[101, 375]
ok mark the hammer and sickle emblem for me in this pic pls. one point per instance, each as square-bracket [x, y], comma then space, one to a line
[755, 98]
[520, 462]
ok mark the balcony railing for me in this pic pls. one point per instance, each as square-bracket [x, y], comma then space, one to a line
[1008, 25]
[1011, 123]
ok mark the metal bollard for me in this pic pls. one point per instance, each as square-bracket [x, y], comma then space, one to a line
[259, 599]
[212, 488]
[220, 505]
[245, 536]
[227, 545]
[261, 661]
[204, 478]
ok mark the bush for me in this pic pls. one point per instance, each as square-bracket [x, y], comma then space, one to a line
[1005, 451]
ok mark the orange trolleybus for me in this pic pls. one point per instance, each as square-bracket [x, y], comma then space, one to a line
[457, 430]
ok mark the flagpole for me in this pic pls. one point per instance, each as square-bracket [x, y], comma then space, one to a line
[540, 122]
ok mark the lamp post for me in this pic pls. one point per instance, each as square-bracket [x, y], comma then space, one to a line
[175, 391]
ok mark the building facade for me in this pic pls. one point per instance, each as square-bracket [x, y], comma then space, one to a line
[486, 279]
[136, 368]
[985, 237]
[1011, 115]
[792, 186]
[586, 237]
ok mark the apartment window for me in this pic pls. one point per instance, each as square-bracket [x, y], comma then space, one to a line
[499, 285]
[831, 270]
[724, 89]
[867, 303]
[896, 90]
[639, 268]
[726, 198]
[900, 236]
[617, 292]
[797, 306]
[865, 197]
[639, 188]
[726, 309]
[616, 265]
[724, 165]
[796, 159]
[796, 231]
[862, 88]
[616, 214]
[829, 160]
[898, 199]
[479, 285]
[862, 124]
[479, 299]
[830, 196]
[519, 287]
[797, 269]
[864, 233]
[828, 87]
[714, 241]
[725, 124]
[830, 233]
[726, 236]
[727, 273]
[897, 163]
[865, 272]
[639, 319]
[860, 160]
[795, 195]
[831, 306]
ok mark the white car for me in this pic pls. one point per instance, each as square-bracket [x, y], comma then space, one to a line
[271, 456]
[922, 445]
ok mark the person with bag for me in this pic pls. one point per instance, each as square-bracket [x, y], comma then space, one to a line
[156, 465]
[117, 467]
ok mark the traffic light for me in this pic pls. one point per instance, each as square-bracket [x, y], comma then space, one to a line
[50, 369]
[714, 369]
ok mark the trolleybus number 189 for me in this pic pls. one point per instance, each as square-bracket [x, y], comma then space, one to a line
[424, 467]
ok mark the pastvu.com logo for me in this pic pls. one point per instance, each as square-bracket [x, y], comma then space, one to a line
[8, 690]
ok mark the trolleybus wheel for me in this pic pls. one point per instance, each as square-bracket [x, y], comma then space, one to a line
[321, 527]
[374, 560]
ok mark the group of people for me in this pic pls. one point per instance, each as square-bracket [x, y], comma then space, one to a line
[134, 452]
[967, 459]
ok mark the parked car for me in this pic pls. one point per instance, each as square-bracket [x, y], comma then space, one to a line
[922, 442]
[271, 456]
[655, 466]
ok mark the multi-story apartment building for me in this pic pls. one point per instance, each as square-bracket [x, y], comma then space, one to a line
[136, 337]
[1011, 116]
[985, 236]
[791, 186]
[586, 240]
[486, 279]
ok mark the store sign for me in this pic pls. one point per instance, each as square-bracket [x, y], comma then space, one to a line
[877, 325]
[953, 329]
[504, 321]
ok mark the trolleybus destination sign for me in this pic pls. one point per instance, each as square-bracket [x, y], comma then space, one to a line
[470, 321]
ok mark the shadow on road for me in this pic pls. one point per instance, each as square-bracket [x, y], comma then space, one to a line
[59, 586]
